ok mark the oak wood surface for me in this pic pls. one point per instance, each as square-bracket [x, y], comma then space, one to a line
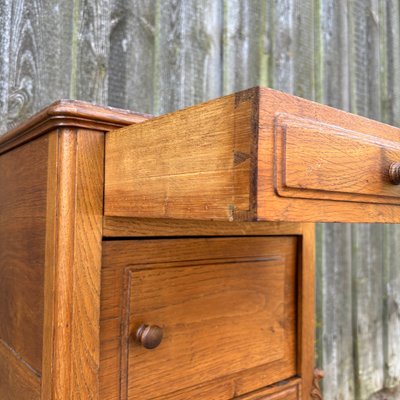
[68, 113]
[203, 169]
[228, 159]
[318, 160]
[22, 249]
[285, 390]
[162, 282]
[17, 379]
[139, 227]
[73, 263]
[306, 308]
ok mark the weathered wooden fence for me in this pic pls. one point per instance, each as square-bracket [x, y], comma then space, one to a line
[157, 56]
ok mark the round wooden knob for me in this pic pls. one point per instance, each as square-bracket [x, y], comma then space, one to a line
[149, 336]
[394, 173]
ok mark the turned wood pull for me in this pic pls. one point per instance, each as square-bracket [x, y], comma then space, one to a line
[149, 336]
[394, 173]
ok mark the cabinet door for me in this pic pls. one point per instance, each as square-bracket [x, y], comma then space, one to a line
[226, 309]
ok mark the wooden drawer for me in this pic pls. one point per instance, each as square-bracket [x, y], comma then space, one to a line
[286, 390]
[226, 306]
[256, 155]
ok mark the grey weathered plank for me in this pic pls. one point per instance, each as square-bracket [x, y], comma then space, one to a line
[56, 29]
[246, 45]
[367, 308]
[367, 239]
[391, 311]
[334, 261]
[334, 302]
[303, 38]
[5, 24]
[188, 53]
[390, 44]
[292, 67]
[132, 54]
[282, 39]
[25, 55]
[90, 50]
[36, 57]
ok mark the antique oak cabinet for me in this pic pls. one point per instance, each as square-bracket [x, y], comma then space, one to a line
[172, 257]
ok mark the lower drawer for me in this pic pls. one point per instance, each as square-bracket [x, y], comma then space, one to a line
[287, 390]
[219, 312]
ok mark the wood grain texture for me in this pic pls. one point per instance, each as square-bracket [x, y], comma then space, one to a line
[72, 288]
[134, 272]
[22, 249]
[291, 65]
[246, 44]
[322, 210]
[331, 83]
[17, 379]
[391, 326]
[188, 53]
[365, 70]
[306, 307]
[318, 160]
[335, 353]
[288, 390]
[251, 166]
[220, 174]
[133, 54]
[5, 22]
[24, 50]
[334, 309]
[138, 227]
[367, 288]
[90, 50]
[68, 113]
[35, 57]
[389, 13]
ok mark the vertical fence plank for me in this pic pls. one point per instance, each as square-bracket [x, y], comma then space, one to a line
[334, 300]
[188, 50]
[282, 63]
[367, 308]
[391, 315]
[334, 293]
[293, 49]
[367, 239]
[390, 45]
[56, 26]
[132, 47]
[246, 45]
[25, 56]
[90, 49]
[303, 20]
[5, 62]
[36, 57]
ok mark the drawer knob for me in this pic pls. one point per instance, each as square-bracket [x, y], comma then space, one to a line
[149, 336]
[394, 173]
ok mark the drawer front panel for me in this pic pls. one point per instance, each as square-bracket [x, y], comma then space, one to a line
[288, 390]
[287, 394]
[322, 161]
[226, 307]
[257, 155]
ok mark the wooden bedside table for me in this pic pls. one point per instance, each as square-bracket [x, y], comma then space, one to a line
[173, 258]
